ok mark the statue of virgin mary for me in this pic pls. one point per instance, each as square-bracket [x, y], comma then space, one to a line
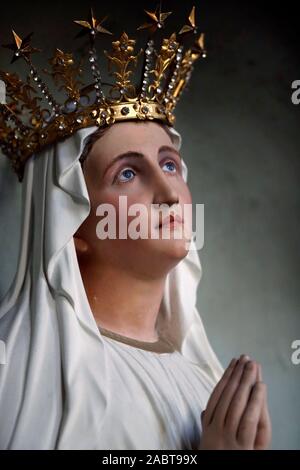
[85, 373]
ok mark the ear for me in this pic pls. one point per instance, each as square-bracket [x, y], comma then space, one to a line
[81, 245]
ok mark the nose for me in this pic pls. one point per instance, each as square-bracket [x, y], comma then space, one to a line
[164, 191]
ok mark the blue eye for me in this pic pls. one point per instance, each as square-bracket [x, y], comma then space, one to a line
[171, 163]
[126, 171]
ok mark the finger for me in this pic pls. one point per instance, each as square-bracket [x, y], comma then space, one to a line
[248, 425]
[259, 373]
[228, 392]
[259, 379]
[217, 392]
[264, 428]
[240, 398]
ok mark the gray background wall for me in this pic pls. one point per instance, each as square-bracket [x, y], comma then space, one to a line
[241, 142]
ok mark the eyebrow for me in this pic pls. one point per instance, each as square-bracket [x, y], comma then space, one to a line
[134, 154]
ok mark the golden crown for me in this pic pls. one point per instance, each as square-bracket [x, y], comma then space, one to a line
[29, 122]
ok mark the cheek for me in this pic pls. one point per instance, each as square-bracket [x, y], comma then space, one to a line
[121, 206]
[184, 193]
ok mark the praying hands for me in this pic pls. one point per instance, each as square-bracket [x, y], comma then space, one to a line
[236, 416]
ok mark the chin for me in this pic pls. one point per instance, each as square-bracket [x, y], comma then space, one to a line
[170, 249]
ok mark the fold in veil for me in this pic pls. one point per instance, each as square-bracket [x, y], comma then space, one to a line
[53, 387]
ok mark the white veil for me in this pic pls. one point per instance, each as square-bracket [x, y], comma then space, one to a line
[53, 385]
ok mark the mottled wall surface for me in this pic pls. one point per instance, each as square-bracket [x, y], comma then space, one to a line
[241, 142]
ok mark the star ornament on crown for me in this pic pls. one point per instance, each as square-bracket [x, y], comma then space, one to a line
[33, 118]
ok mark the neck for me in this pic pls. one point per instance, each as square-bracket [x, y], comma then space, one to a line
[121, 302]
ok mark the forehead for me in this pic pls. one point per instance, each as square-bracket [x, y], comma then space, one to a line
[124, 136]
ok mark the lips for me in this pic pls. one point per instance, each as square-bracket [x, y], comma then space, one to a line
[170, 219]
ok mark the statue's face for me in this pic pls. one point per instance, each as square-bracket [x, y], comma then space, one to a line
[154, 178]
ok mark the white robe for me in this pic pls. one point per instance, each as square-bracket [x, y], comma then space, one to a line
[156, 396]
[55, 388]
